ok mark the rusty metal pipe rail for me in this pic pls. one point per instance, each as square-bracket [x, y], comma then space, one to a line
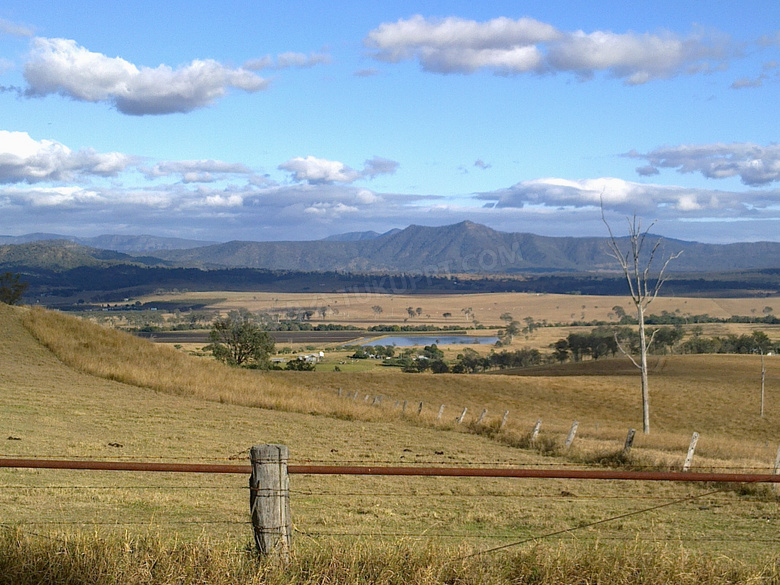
[540, 473]
[602, 474]
[124, 466]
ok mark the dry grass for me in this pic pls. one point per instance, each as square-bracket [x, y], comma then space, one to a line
[152, 561]
[118, 356]
[716, 396]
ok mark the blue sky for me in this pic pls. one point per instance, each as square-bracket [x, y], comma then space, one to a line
[298, 120]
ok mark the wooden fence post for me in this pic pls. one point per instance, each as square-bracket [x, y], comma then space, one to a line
[462, 415]
[441, 411]
[629, 442]
[482, 416]
[503, 420]
[403, 408]
[572, 434]
[269, 499]
[691, 451]
[419, 408]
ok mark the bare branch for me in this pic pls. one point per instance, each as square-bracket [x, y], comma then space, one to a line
[625, 352]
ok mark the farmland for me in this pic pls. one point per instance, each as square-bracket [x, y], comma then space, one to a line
[457, 310]
[69, 389]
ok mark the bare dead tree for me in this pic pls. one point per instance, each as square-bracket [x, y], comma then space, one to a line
[643, 288]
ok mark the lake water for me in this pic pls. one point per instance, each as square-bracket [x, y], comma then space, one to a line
[410, 340]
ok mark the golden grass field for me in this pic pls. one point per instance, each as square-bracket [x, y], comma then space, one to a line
[356, 308]
[71, 389]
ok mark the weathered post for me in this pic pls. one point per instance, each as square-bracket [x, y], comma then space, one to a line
[419, 409]
[535, 430]
[269, 499]
[441, 411]
[482, 416]
[629, 442]
[459, 420]
[691, 451]
[503, 420]
[572, 434]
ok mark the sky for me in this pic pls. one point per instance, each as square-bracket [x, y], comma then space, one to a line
[292, 120]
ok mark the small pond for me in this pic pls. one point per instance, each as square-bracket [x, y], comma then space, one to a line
[410, 340]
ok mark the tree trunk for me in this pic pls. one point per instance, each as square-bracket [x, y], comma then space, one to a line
[640, 311]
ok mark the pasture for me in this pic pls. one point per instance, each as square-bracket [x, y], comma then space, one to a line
[358, 308]
[71, 389]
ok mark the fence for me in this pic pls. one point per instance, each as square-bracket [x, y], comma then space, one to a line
[269, 492]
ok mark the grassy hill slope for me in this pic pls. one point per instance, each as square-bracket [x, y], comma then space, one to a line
[80, 403]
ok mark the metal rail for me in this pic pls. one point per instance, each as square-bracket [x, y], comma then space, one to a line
[602, 474]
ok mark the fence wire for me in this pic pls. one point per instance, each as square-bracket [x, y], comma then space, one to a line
[315, 501]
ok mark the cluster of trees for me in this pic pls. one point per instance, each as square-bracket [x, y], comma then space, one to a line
[513, 328]
[608, 341]
[363, 352]
[469, 362]
[755, 342]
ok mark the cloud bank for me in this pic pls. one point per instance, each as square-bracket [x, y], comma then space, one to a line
[625, 197]
[754, 164]
[511, 47]
[54, 187]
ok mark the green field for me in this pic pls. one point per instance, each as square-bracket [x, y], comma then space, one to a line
[75, 391]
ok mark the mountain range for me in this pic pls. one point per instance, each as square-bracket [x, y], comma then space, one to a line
[461, 248]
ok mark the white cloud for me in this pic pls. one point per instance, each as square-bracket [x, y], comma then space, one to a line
[318, 171]
[23, 159]
[456, 45]
[636, 58]
[330, 210]
[507, 46]
[62, 66]
[755, 164]
[366, 197]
